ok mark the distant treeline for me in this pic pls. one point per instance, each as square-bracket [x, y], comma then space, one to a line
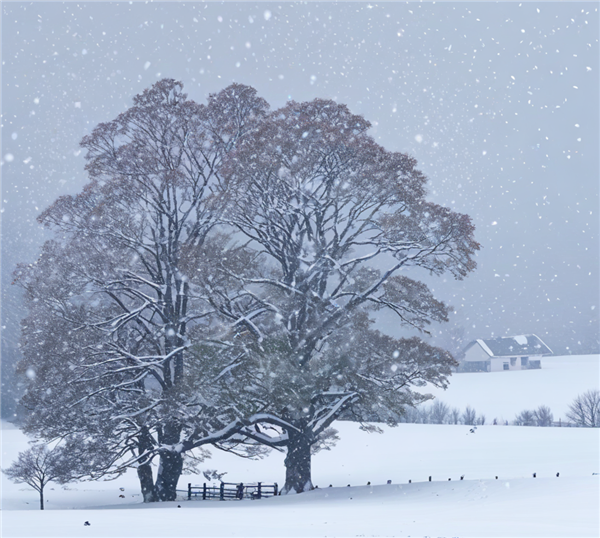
[584, 411]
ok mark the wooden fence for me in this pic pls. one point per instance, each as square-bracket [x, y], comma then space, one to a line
[227, 491]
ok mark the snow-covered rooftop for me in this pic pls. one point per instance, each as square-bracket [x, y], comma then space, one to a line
[514, 346]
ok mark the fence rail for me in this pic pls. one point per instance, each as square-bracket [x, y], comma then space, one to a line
[227, 491]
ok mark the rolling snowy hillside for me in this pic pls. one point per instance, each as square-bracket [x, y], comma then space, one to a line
[514, 504]
[502, 395]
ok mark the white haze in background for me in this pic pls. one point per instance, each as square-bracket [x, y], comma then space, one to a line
[498, 102]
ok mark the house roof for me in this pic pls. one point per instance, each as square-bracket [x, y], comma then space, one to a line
[513, 346]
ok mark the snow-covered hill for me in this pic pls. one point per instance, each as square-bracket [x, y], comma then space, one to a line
[522, 508]
[514, 504]
[502, 395]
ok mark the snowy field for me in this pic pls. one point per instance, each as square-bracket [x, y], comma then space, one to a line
[502, 395]
[514, 504]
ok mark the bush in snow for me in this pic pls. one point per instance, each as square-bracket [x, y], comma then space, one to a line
[411, 415]
[439, 412]
[543, 416]
[525, 418]
[424, 414]
[454, 416]
[469, 416]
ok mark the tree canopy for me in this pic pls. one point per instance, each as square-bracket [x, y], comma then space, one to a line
[216, 283]
[335, 220]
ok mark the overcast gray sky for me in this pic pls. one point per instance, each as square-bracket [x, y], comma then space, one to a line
[498, 103]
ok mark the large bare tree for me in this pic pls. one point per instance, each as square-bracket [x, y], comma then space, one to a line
[341, 225]
[124, 283]
[217, 280]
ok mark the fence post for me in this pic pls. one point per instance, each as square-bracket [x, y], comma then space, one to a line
[189, 491]
[222, 491]
[240, 491]
[275, 490]
[259, 492]
[204, 492]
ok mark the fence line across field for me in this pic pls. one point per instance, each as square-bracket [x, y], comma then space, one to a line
[232, 491]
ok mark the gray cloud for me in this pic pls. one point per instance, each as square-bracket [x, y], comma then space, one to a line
[498, 102]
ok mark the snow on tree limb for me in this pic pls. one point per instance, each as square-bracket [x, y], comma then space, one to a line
[152, 332]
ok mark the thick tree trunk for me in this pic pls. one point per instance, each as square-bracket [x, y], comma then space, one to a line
[171, 463]
[169, 471]
[297, 463]
[41, 498]
[144, 472]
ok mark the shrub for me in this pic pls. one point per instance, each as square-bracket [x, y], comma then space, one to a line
[543, 416]
[439, 412]
[469, 416]
[524, 418]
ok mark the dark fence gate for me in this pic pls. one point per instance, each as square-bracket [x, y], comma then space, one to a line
[229, 491]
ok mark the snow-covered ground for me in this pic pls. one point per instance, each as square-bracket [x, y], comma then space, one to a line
[514, 504]
[502, 395]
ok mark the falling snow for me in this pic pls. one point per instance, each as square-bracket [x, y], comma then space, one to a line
[497, 102]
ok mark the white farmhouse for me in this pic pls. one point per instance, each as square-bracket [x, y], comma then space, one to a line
[521, 352]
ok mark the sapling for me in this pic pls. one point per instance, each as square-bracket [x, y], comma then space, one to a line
[38, 466]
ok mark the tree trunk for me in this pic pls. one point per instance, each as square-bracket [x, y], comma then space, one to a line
[171, 462]
[297, 463]
[144, 473]
[41, 498]
[169, 471]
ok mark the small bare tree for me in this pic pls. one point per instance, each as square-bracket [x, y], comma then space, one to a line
[439, 412]
[454, 415]
[543, 416]
[525, 418]
[469, 416]
[424, 415]
[410, 415]
[585, 409]
[37, 466]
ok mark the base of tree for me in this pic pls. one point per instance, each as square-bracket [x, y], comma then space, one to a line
[298, 464]
[170, 469]
[146, 483]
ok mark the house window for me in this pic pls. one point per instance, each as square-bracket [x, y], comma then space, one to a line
[506, 367]
[524, 361]
[513, 361]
